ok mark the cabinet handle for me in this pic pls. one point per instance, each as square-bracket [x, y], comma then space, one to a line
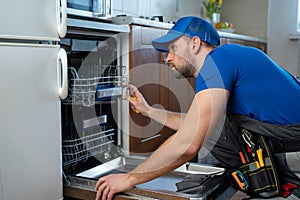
[62, 74]
[151, 138]
[61, 18]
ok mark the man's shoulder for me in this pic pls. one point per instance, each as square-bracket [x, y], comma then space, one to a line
[236, 50]
[228, 48]
[233, 46]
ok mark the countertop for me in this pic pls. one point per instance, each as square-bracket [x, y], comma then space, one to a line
[164, 25]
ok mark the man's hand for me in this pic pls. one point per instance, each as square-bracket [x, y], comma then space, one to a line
[138, 104]
[137, 101]
[108, 186]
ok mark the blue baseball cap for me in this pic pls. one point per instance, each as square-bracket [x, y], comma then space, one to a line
[189, 26]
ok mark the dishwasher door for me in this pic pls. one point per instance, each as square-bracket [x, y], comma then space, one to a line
[183, 183]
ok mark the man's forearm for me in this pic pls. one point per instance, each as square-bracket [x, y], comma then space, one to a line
[164, 160]
[170, 119]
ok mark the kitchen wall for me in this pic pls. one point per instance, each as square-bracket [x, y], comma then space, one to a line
[249, 17]
[274, 20]
[283, 21]
[170, 9]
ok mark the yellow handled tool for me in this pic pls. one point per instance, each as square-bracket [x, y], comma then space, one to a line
[136, 111]
[259, 153]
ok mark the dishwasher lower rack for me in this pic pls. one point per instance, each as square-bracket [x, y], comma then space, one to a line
[75, 150]
[164, 187]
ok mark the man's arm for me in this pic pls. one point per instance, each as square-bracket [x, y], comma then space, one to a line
[206, 109]
[203, 116]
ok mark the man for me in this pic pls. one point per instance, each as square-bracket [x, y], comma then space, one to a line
[240, 81]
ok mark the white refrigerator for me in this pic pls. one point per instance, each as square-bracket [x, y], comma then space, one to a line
[33, 81]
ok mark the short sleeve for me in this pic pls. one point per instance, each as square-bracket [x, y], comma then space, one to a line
[218, 71]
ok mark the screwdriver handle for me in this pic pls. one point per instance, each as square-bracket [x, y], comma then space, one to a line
[136, 111]
[259, 153]
[242, 157]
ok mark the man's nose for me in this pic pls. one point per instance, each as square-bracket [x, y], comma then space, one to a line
[169, 57]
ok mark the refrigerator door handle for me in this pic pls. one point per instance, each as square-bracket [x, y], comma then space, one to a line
[104, 8]
[61, 17]
[62, 74]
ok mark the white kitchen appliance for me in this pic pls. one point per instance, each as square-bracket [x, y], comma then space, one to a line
[31, 59]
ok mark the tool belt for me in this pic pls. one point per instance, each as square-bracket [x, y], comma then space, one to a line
[260, 169]
[257, 176]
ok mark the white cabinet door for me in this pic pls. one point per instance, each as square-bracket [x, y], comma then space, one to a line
[30, 143]
[32, 19]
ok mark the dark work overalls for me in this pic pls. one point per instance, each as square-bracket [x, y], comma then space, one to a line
[284, 143]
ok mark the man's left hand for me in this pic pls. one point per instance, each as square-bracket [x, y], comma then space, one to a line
[108, 186]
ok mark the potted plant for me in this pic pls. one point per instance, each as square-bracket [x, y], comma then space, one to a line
[213, 10]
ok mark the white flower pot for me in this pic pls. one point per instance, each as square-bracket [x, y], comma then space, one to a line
[215, 18]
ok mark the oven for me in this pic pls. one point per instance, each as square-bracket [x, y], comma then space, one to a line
[95, 119]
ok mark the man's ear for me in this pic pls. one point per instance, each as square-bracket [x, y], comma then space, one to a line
[196, 44]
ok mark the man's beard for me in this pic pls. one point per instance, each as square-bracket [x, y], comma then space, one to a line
[185, 72]
[187, 69]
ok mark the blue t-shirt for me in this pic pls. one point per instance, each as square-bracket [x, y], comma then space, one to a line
[259, 88]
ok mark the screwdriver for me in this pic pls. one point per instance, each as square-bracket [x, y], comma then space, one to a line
[242, 157]
[136, 111]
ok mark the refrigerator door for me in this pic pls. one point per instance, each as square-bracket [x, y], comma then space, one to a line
[30, 119]
[33, 19]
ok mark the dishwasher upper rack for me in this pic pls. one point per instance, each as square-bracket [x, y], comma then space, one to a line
[96, 84]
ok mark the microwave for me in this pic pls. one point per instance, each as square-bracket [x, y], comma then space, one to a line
[101, 9]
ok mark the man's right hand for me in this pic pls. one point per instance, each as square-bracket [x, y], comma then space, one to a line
[137, 101]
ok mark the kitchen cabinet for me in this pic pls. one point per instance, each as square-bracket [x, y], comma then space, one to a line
[244, 40]
[158, 85]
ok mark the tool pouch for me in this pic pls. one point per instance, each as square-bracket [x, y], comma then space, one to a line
[257, 176]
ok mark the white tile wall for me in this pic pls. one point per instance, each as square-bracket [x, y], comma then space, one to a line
[166, 8]
[144, 8]
[117, 5]
[170, 9]
[130, 6]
